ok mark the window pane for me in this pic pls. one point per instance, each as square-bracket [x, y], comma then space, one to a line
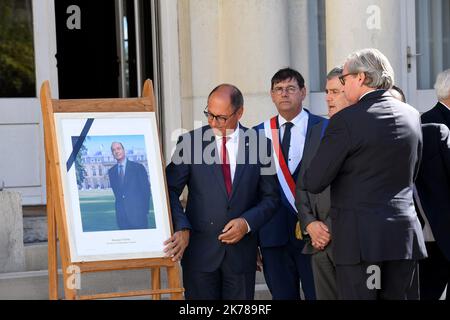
[432, 40]
[17, 75]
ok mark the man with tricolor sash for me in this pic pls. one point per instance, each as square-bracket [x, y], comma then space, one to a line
[284, 265]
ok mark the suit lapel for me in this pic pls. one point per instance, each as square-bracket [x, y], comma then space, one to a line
[312, 143]
[312, 121]
[114, 175]
[241, 160]
[126, 173]
[445, 113]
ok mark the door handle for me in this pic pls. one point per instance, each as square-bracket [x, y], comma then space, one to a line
[409, 56]
[412, 55]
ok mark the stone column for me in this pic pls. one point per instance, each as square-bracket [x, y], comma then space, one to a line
[199, 24]
[254, 44]
[170, 71]
[12, 257]
[243, 42]
[299, 34]
[359, 24]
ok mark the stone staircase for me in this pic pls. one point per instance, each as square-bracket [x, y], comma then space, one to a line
[32, 284]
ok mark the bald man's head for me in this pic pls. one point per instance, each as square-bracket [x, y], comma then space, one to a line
[225, 108]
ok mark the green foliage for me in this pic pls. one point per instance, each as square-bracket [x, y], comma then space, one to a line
[79, 166]
[17, 74]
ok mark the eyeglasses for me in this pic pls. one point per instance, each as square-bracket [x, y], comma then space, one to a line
[342, 78]
[289, 90]
[333, 92]
[221, 120]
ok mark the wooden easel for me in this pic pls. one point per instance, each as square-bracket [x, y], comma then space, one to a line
[57, 226]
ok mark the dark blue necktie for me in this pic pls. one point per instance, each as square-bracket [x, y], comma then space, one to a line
[285, 143]
[121, 173]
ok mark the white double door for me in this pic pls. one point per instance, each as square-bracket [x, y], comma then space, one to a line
[426, 41]
[22, 158]
[22, 153]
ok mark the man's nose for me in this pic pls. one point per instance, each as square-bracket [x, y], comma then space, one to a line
[214, 123]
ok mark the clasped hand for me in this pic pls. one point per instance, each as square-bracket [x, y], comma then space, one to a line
[319, 233]
[234, 231]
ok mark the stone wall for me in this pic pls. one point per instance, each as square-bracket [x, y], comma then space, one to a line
[12, 258]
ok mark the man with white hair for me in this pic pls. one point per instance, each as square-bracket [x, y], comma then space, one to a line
[370, 156]
[433, 186]
[441, 111]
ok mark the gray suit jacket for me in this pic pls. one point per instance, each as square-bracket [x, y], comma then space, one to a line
[312, 207]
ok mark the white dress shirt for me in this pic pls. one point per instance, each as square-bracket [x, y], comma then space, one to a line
[445, 105]
[124, 166]
[298, 138]
[232, 149]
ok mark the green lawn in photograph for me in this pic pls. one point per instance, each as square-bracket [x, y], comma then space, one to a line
[98, 212]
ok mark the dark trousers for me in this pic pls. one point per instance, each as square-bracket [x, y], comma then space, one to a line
[359, 281]
[324, 272]
[434, 274]
[284, 268]
[221, 284]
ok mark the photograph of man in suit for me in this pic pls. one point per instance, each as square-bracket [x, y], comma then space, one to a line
[313, 209]
[370, 156]
[131, 187]
[433, 187]
[228, 202]
[285, 267]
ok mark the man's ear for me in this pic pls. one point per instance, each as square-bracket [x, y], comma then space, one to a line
[240, 112]
[361, 78]
[303, 92]
[272, 95]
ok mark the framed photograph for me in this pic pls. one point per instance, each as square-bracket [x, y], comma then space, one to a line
[113, 184]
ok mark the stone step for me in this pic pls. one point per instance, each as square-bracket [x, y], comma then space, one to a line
[36, 259]
[36, 256]
[35, 239]
[33, 283]
[34, 211]
[34, 229]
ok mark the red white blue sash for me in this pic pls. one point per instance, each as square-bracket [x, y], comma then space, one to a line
[284, 175]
